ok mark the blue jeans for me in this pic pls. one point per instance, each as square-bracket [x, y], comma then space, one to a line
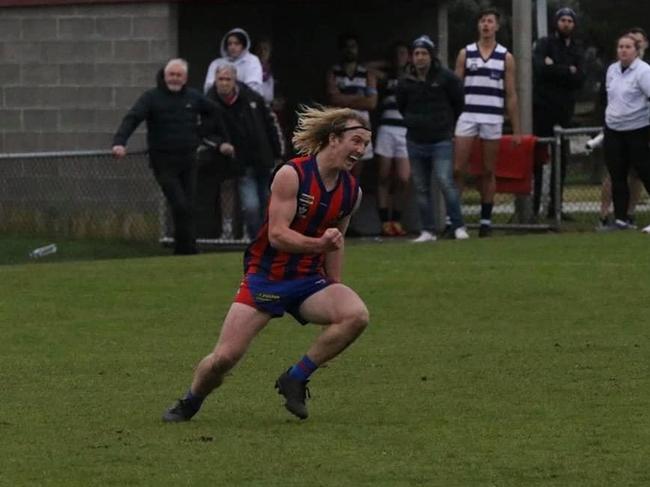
[253, 193]
[429, 161]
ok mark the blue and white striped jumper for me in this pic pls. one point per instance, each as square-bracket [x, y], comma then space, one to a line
[357, 84]
[484, 85]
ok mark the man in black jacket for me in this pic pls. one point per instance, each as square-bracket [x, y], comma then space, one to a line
[558, 74]
[173, 112]
[430, 98]
[256, 139]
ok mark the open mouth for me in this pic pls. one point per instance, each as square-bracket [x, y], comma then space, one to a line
[353, 158]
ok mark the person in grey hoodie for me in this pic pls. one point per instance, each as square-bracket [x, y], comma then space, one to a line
[235, 49]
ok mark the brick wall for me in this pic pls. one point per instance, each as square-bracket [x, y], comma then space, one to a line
[69, 73]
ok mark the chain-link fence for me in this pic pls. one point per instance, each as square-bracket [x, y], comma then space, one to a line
[586, 194]
[513, 203]
[584, 190]
[90, 194]
[79, 195]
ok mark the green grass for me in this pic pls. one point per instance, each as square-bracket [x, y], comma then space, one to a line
[513, 361]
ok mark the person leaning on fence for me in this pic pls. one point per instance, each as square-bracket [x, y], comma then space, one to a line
[558, 75]
[627, 124]
[255, 137]
[172, 112]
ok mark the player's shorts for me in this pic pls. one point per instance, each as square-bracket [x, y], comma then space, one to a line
[279, 297]
[391, 142]
[485, 131]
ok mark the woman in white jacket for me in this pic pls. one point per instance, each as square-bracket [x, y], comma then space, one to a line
[627, 124]
[235, 49]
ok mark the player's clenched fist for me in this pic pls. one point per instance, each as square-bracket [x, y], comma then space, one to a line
[332, 239]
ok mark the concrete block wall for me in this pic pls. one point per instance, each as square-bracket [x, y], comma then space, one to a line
[69, 73]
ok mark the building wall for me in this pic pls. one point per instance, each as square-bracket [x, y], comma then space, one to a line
[69, 73]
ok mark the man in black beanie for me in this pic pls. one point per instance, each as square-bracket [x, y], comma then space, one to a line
[430, 98]
[558, 75]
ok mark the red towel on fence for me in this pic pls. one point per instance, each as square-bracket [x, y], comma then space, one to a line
[514, 169]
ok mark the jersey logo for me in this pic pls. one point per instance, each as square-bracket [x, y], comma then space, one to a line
[495, 75]
[304, 202]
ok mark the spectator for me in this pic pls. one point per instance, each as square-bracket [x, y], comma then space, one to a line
[171, 111]
[558, 75]
[235, 47]
[263, 49]
[633, 180]
[430, 97]
[627, 123]
[488, 72]
[351, 85]
[255, 137]
[392, 156]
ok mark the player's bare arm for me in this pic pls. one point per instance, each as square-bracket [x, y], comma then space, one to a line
[334, 259]
[282, 210]
[460, 64]
[358, 102]
[512, 105]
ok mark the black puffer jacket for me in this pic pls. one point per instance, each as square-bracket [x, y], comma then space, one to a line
[173, 118]
[251, 127]
[430, 107]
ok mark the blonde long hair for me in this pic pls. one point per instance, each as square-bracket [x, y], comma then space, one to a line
[315, 124]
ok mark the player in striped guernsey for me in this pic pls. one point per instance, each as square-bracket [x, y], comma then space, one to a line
[294, 264]
[488, 72]
[351, 85]
[394, 168]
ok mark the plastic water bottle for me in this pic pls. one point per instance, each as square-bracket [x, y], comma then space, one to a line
[43, 251]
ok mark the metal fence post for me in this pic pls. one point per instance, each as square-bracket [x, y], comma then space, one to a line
[557, 169]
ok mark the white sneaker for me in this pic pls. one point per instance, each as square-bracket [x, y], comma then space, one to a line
[646, 229]
[461, 233]
[424, 237]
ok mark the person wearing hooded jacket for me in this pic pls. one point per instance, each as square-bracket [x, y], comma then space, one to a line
[172, 112]
[235, 49]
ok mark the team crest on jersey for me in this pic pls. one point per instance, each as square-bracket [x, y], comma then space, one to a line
[304, 202]
[473, 66]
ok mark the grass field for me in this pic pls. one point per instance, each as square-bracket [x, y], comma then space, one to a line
[513, 361]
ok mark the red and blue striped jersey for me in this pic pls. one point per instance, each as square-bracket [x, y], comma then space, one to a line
[317, 210]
